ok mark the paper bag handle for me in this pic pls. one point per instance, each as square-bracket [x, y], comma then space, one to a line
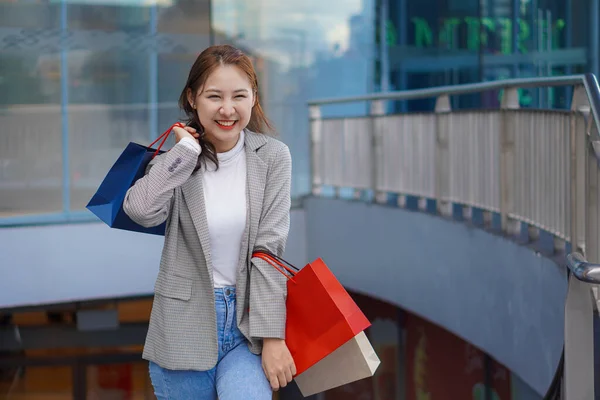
[164, 137]
[277, 262]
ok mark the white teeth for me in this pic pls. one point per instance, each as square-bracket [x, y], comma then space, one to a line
[226, 123]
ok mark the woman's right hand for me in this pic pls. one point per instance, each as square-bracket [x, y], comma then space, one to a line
[186, 131]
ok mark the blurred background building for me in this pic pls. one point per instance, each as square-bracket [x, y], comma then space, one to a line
[79, 79]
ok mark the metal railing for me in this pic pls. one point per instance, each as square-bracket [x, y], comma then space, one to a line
[532, 171]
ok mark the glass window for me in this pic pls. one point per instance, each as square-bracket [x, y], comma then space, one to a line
[39, 15]
[127, 66]
[435, 43]
[124, 65]
[544, 45]
[448, 42]
[30, 160]
[185, 29]
[30, 143]
[303, 49]
[188, 17]
[125, 16]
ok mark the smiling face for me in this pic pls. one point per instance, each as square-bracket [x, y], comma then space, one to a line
[224, 106]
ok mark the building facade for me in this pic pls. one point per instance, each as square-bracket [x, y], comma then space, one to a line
[79, 79]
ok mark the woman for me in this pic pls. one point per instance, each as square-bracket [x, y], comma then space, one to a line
[218, 318]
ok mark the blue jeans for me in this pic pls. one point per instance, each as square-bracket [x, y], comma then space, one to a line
[237, 375]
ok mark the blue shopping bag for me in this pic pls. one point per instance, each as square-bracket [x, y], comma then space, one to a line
[107, 202]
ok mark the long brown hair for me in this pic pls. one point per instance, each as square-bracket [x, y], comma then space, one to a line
[209, 60]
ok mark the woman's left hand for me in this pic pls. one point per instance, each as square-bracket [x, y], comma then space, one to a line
[277, 362]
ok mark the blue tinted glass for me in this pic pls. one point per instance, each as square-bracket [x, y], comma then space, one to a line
[448, 42]
[30, 119]
[115, 78]
[302, 50]
[126, 71]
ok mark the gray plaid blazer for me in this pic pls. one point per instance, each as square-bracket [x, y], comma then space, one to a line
[182, 333]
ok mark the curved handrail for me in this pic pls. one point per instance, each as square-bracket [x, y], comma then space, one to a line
[582, 269]
[456, 89]
[588, 80]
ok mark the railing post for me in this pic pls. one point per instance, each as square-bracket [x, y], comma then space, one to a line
[578, 143]
[579, 307]
[592, 217]
[442, 156]
[592, 237]
[377, 110]
[579, 342]
[510, 101]
[316, 170]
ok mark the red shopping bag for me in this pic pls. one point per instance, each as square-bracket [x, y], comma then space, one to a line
[321, 315]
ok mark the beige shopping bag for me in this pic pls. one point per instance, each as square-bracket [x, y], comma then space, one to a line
[352, 361]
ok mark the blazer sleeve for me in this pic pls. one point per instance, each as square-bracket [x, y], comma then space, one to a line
[268, 290]
[148, 201]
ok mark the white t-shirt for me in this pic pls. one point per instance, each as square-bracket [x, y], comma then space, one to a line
[225, 204]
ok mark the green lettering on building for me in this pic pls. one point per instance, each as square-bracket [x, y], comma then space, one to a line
[523, 36]
[479, 31]
[423, 33]
[473, 31]
[505, 25]
[391, 35]
[448, 33]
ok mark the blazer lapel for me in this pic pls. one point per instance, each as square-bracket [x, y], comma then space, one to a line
[256, 178]
[193, 193]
